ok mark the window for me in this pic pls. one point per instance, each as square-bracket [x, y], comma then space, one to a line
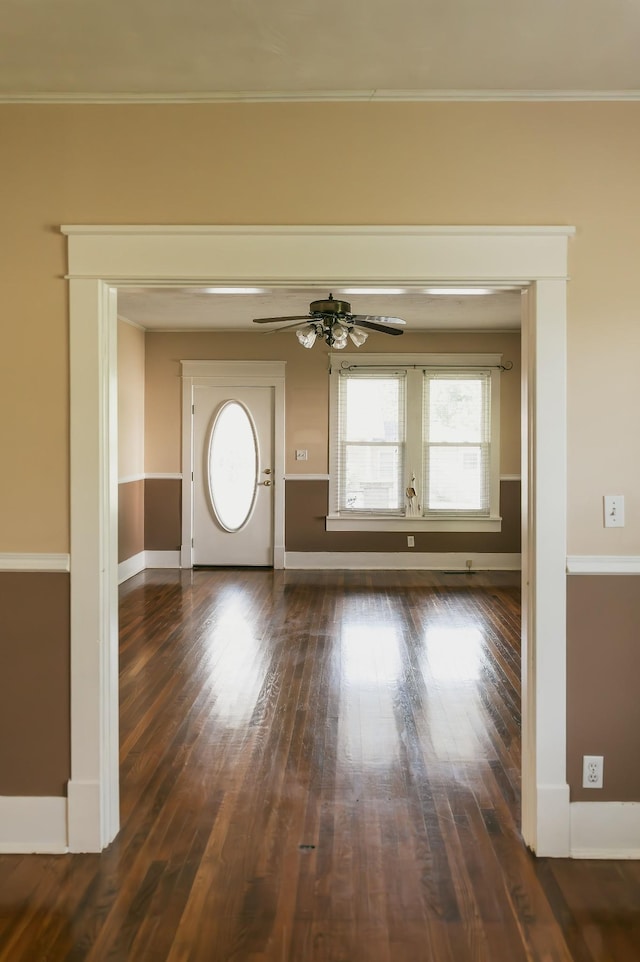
[415, 443]
[457, 441]
[371, 435]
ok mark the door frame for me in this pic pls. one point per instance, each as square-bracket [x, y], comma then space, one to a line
[232, 374]
[104, 257]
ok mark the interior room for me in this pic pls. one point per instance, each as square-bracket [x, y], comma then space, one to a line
[280, 758]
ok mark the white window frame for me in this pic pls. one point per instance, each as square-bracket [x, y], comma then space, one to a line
[414, 364]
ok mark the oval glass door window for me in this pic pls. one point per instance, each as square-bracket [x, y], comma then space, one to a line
[232, 466]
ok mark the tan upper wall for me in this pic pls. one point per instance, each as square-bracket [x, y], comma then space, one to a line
[574, 163]
[307, 387]
[130, 400]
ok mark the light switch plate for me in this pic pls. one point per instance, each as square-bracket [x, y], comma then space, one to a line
[614, 511]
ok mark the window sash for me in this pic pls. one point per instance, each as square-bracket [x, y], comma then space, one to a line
[370, 453]
[457, 443]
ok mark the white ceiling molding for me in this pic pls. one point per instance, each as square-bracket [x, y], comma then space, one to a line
[327, 96]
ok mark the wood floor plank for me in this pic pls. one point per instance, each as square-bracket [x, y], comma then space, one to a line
[318, 767]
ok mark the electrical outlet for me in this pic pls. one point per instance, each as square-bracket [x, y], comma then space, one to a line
[411, 541]
[301, 454]
[592, 771]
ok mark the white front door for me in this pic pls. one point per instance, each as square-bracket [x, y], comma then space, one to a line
[233, 475]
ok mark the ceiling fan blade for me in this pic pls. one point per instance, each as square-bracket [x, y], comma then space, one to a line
[286, 327]
[275, 320]
[358, 318]
[379, 327]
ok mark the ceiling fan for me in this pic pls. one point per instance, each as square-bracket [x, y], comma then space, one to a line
[333, 321]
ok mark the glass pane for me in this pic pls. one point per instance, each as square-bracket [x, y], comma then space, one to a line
[372, 477]
[457, 478]
[456, 411]
[233, 466]
[373, 409]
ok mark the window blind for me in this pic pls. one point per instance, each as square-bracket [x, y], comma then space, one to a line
[370, 441]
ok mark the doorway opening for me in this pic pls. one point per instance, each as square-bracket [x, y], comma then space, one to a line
[102, 258]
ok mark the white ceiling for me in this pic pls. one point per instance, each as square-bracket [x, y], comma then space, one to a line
[197, 309]
[209, 49]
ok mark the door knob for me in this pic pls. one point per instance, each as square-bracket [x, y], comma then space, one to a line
[264, 484]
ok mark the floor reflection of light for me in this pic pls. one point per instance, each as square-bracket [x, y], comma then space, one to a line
[371, 666]
[370, 654]
[236, 670]
[451, 666]
[453, 654]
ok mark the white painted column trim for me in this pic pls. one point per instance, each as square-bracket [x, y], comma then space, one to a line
[545, 818]
[93, 791]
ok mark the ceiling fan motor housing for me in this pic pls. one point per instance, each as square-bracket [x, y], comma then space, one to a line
[338, 308]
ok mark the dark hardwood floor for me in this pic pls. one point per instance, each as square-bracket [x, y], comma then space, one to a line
[318, 767]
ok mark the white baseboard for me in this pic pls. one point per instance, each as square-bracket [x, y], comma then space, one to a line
[30, 825]
[147, 559]
[132, 566]
[402, 560]
[605, 829]
[162, 559]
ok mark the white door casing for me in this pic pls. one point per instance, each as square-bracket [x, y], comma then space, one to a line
[259, 386]
[103, 257]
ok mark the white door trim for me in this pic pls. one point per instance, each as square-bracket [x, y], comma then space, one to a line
[231, 374]
[102, 257]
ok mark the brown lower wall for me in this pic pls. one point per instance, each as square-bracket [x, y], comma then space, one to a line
[603, 667]
[35, 722]
[306, 511]
[130, 519]
[149, 516]
[162, 514]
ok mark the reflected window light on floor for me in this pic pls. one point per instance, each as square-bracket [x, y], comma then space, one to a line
[451, 666]
[453, 654]
[236, 659]
[371, 668]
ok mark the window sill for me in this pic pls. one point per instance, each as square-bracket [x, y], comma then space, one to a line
[373, 523]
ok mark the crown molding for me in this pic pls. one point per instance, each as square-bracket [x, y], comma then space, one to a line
[324, 96]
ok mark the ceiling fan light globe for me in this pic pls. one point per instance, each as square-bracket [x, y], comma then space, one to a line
[307, 337]
[358, 336]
